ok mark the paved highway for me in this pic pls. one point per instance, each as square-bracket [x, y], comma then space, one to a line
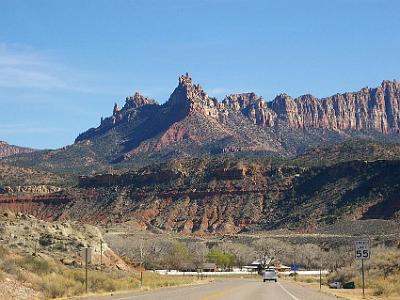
[229, 289]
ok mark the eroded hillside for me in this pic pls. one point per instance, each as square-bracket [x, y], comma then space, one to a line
[230, 195]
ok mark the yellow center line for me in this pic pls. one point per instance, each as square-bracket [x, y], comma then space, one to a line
[218, 294]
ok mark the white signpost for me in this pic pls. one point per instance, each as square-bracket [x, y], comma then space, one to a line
[362, 252]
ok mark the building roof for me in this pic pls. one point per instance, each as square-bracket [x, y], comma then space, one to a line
[209, 266]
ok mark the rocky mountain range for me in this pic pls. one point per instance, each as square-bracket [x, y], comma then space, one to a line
[246, 122]
[197, 165]
[7, 149]
[193, 124]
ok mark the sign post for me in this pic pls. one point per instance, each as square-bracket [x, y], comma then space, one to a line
[362, 252]
[101, 255]
[86, 254]
[320, 276]
[294, 267]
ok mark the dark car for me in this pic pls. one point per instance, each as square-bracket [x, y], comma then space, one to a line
[349, 285]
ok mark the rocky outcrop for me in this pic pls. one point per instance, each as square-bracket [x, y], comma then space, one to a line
[30, 189]
[137, 100]
[128, 111]
[7, 149]
[62, 241]
[370, 108]
[134, 105]
[189, 98]
[253, 107]
[44, 206]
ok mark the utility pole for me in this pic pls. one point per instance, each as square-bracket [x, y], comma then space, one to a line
[320, 276]
[320, 269]
[101, 255]
[141, 264]
[86, 271]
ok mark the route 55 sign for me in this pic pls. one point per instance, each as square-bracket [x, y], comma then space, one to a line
[362, 249]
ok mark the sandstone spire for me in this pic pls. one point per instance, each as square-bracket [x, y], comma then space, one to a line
[191, 98]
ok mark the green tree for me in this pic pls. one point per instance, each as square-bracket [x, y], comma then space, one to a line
[224, 260]
[178, 257]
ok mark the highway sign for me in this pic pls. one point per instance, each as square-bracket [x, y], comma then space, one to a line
[294, 267]
[362, 250]
[88, 252]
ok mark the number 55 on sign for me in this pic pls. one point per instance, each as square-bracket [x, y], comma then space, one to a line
[362, 249]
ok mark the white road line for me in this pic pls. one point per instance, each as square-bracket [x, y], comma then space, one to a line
[287, 292]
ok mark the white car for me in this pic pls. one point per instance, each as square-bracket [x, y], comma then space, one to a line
[270, 275]
[336, 285]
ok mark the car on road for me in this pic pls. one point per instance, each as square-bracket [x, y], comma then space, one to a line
[270, 275]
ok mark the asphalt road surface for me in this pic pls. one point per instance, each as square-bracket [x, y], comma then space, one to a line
[229, 289]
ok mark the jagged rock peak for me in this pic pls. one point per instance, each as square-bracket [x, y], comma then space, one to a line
[138, 100]
[189, 97]
[116, 109]
[391, 85]
[185, 80]
[193, 91]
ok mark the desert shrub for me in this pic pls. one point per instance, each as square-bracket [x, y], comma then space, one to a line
[46, 240]
[75, 274]
[2, 276]
[383, 288]
[3, 252]
[342, 275]
[153, 280]
[9, 266]
[110, 282]
[36, 265]
[54, 280]
[386, 287]
[57, 285]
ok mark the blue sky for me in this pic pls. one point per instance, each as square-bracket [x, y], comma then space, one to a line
[63, 64]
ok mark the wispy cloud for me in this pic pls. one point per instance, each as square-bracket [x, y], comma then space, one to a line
[23, 67]
[22, 77]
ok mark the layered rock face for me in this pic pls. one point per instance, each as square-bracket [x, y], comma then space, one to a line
[253, 107]
[370, 108]
[7, 149]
